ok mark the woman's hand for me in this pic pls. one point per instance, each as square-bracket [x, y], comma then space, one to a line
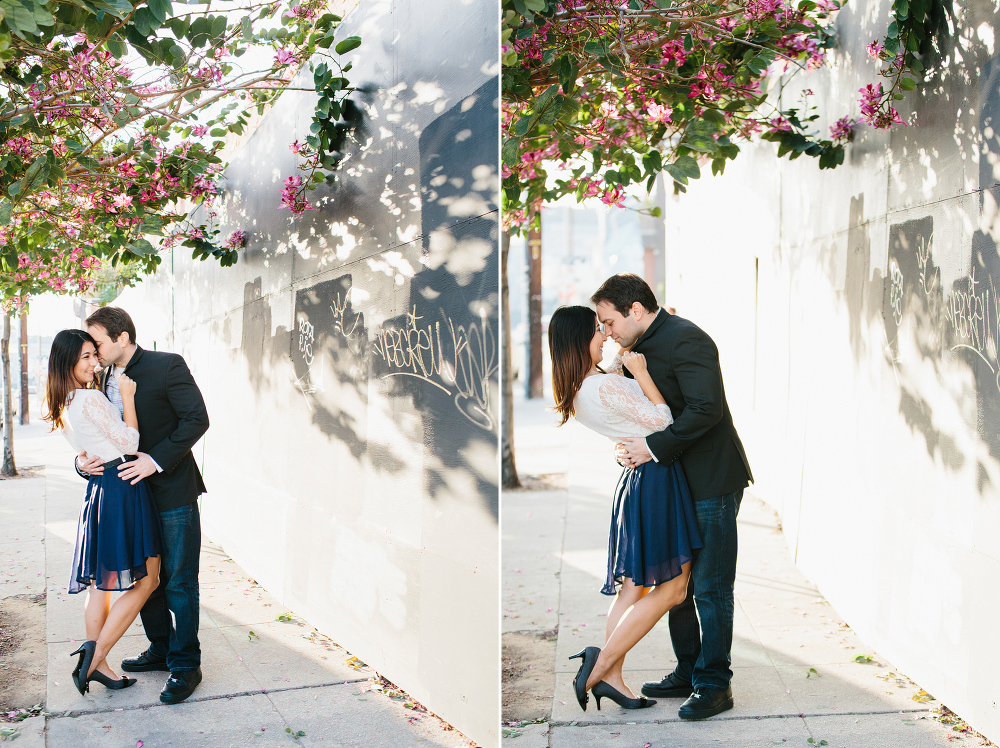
[634, 362]
[126, 386]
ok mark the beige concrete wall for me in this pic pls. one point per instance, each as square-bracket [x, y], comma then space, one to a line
[857, 319]
[353, 475]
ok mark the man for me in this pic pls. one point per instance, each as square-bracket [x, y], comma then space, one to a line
[684, 364]
[172, 418]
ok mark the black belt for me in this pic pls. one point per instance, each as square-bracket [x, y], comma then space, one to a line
[119, 461]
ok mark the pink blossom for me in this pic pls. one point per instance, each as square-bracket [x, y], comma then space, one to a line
[841, 131]
[293, 196]
[658, 112]
[284, 57]
[236, 239]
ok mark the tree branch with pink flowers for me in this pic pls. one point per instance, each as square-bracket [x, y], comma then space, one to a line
[113, 116]
[602, 94]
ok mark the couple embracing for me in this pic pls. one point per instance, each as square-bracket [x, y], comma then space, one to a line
[133, 416]
[672, 544]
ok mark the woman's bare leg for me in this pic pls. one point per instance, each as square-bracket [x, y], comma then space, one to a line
[637, 622]
[95, 611]
[122, 614]
[628, 595]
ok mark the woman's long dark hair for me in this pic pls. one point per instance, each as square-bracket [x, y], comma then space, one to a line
[63, 357]
[570, 331]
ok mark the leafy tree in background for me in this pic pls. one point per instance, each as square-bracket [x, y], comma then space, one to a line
[112, 116]
[616, 92]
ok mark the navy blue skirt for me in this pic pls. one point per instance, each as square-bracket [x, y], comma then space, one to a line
[653, 526]
[119, 529]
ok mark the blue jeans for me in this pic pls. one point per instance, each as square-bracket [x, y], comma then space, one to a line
[703, 654]
[170, 615]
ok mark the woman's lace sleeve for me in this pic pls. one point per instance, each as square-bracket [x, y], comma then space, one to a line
[624, 396]
[615, 367]
[98, 410]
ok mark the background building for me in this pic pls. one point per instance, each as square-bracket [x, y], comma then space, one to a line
[350, 361]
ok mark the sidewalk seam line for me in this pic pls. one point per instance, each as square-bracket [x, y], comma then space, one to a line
[677, 720]
[261, 692]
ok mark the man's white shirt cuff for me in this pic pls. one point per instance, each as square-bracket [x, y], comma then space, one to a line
[649, 450]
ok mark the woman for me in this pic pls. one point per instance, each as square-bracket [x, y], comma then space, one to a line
[118, 537]
[653, 527]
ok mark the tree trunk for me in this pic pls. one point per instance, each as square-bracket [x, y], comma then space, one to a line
[25, 407]
[535, 386]
[508, 468]
[8, 469]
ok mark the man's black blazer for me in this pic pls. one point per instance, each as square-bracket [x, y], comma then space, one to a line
[172, 418]
[683, 362]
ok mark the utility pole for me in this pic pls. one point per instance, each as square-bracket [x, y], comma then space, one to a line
[534, 266]
[25, 415]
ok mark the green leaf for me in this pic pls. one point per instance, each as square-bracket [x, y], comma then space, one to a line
[570, 108]
[218, 27]
[699, 136]
[151, 225]
[567, 73]
[5, 210]
[117, 8]
[36, 174]
[141, 247]
[25, 16]
[551, 112]
[682, 168]
[653, 162]
[907, 84]
[144, 21]
[162, 9]
[247, 28]
[346, 45]
[714, 116]
[509, 152]
[117, 48]
[544, 101]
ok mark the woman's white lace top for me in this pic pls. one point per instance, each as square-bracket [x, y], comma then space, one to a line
[94, 425]
[615, 406]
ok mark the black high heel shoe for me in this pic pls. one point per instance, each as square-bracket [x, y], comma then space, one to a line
[589, 656]
[114, 685]
[86, 652]
[603, 690]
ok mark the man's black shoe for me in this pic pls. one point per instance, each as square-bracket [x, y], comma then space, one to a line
[705, 702]
[180, 685]
[144, 663]
[671, 687]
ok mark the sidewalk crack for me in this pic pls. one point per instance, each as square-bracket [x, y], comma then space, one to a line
[257, 692]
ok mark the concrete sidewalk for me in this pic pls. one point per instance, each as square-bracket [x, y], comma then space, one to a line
[797, 681]
[262, 676]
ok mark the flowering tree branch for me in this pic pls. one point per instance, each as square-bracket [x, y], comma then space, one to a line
[112, 117]
[610, 95]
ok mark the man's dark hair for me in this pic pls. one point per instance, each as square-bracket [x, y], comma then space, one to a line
[114, 320]
[623, 290]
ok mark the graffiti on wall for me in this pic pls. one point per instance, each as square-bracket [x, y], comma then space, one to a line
[457, 358]
[961, 320]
